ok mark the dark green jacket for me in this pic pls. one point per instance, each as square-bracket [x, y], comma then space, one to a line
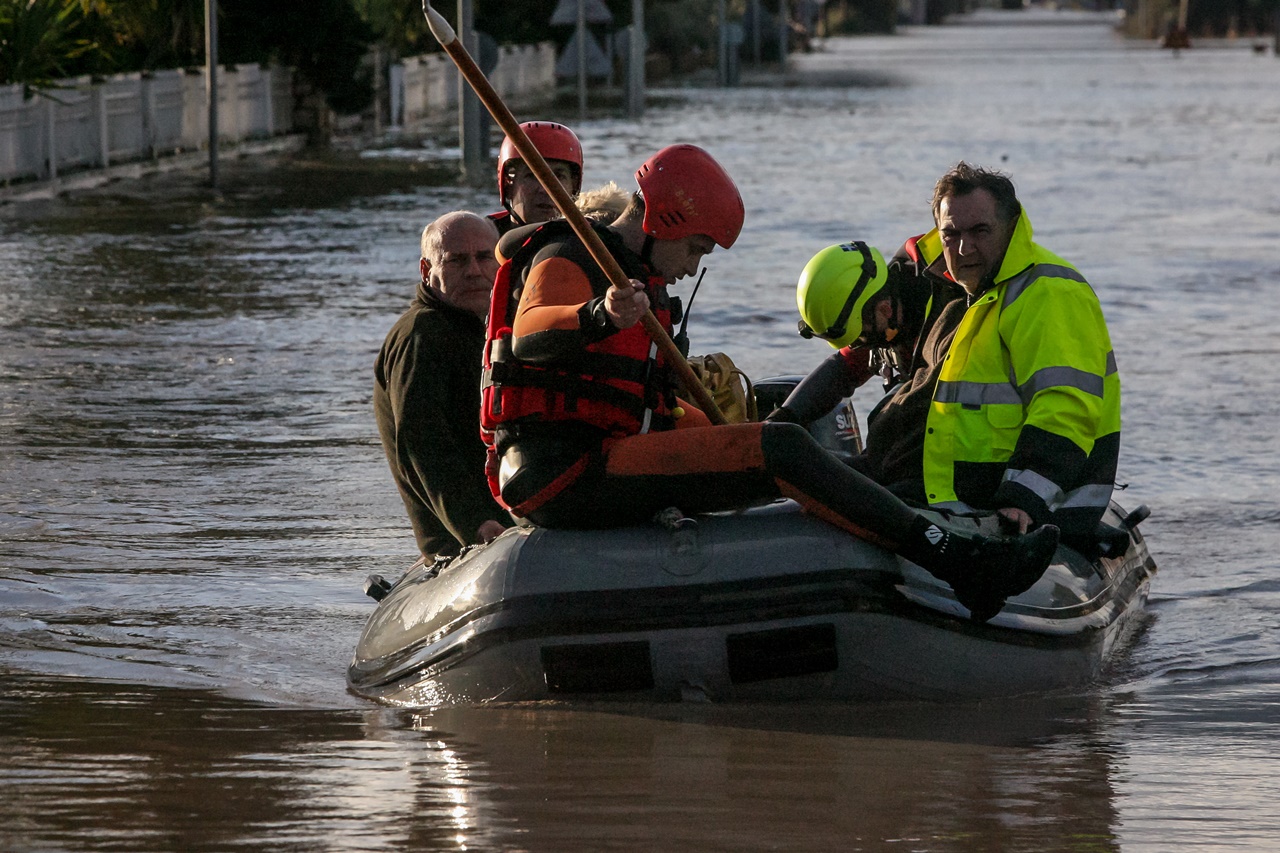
[426, 398]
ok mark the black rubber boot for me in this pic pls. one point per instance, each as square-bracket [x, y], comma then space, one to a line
[982, 570]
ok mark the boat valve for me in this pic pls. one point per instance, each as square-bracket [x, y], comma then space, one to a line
[674, 520]
[376, 587]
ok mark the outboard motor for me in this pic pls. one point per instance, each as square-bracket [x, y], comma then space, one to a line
[838, 431]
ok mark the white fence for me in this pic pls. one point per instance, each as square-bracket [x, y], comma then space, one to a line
[131, 117]
[426, 87]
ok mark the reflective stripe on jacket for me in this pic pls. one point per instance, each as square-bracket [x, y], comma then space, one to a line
[1026, 412]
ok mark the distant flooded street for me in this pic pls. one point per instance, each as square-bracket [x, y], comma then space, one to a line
[192, 489]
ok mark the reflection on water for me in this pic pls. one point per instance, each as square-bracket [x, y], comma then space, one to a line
[192, 489]
[727, 779]
[99, 766]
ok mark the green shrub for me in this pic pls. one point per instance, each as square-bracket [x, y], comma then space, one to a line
[40, 41]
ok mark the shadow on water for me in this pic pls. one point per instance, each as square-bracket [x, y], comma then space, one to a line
[101, 766]
[1007, 723]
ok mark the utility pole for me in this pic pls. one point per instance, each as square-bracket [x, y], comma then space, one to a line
[582, 61]
[211, 83]
[722, 44]
[635, 65]
[784, 31]
[475, 150]
[756, 32]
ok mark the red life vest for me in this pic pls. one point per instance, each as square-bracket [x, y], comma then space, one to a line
[620, 384]
[503, 221]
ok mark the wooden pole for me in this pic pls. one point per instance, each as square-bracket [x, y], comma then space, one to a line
[533, 159]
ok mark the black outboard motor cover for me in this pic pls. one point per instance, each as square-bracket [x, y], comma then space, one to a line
[838, 431]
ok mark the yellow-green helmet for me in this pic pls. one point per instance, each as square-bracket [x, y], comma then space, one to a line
[835, 286]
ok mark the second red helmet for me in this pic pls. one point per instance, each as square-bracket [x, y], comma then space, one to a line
[553, 141]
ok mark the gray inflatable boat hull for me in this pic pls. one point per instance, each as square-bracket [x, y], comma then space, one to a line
[766, 604]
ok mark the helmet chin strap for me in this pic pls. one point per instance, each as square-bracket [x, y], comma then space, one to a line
[508, 186]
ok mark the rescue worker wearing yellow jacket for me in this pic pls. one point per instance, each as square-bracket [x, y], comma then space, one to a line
[1025, 418]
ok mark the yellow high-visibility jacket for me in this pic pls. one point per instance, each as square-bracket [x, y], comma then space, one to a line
[1026, 412]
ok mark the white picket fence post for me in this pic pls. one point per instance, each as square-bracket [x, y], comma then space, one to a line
[425, 87]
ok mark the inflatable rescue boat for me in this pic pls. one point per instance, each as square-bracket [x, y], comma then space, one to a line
[759, 605]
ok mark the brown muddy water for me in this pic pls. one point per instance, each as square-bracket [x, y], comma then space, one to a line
[192, 490]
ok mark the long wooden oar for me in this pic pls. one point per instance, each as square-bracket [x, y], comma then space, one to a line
[533, 158]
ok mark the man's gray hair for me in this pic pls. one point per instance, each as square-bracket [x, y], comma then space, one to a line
[433, 234]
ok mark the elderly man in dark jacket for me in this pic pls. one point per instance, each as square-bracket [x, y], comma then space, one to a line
[426, 395]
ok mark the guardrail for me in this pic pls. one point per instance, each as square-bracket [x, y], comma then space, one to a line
[86, 123]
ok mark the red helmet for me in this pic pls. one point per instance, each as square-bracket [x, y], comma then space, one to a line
[687, 192]
[553, 141]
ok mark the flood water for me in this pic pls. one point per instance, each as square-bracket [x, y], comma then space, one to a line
[192, 489]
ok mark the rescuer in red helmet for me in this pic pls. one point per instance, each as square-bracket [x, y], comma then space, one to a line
[579, 407]
[522, 196]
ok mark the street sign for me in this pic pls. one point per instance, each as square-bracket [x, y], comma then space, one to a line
[566, 13]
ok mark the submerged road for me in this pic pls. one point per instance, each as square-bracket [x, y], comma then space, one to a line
[192, 490]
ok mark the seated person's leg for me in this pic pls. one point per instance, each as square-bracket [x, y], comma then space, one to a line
[699, 469]
[831, 490]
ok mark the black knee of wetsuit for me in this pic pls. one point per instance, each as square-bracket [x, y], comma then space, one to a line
[795, 458]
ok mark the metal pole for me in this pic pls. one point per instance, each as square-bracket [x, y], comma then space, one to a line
[755, 32]
[104, 125]
[211, 83]
[377, 90]
[51, 137]
[784, 31]
[474, 149]
[635, 67]
[722, 49]
[582, 60]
